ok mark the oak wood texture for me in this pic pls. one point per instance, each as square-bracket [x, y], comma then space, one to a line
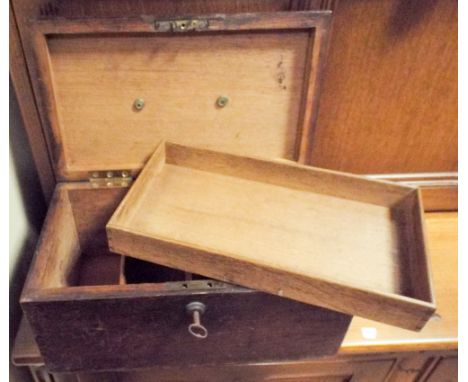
[282, 228]
[90, 310]
[268, 64]
[389, 96]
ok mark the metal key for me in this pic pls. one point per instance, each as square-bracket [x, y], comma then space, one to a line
[195, 310]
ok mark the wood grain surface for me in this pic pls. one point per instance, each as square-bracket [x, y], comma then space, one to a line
[219, 215]
[137, 331]
[389, 97]
[29, 114]
[439, 190]
[96, 81]
[441, 332]
[88, 83]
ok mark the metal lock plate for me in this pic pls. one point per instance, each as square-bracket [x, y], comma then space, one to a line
[181, 25]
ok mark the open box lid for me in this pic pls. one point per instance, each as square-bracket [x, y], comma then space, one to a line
[110, 89]
[330, 239]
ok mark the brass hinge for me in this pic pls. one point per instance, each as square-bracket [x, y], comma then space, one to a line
[189, 25]
[110, 178]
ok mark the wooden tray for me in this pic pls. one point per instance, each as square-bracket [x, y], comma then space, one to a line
[320, 237]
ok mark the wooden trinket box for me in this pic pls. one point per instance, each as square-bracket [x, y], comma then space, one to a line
[108, 91]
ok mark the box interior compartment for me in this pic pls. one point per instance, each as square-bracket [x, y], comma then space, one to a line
[82, 257]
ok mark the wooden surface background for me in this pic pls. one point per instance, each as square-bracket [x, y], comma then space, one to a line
[389, 96]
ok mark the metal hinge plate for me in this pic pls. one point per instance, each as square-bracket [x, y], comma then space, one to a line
[110, 178]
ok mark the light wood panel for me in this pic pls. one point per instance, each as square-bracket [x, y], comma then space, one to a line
[389, 98]
[441, 331]
[274, 227]
[180, 79]
[272, 123]
[60, 241]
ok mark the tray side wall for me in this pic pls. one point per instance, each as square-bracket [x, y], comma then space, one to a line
[287, 174]
[391, 309]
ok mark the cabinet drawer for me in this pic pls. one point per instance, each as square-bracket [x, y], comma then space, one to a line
[94, 310]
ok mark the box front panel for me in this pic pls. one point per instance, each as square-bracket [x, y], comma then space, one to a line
[106, 334]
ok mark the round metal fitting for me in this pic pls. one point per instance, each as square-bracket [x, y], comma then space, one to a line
[222, 101]
[139, 103]
[195, 306]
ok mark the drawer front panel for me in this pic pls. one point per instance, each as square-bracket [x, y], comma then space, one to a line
[107, 334]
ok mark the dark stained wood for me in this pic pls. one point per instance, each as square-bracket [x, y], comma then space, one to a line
[325, 370]
[134, 332]
[29, 114]
[389, 97]
[119, 8]
[106, 9]
[215, 22]
[446, 370]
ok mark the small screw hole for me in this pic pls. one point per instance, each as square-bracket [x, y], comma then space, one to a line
[184, 285]
[210, 285]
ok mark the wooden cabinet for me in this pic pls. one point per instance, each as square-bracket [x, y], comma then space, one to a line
[389, 96]
[388, 104]
[446, 370]
[322, 371]
[408, 367]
